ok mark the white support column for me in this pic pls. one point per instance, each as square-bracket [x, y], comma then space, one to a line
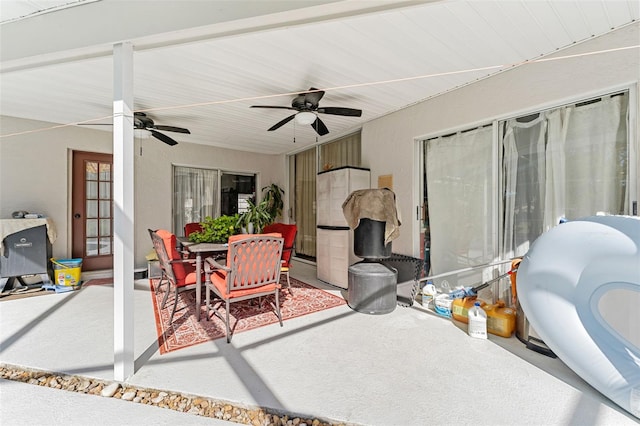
[123, 198]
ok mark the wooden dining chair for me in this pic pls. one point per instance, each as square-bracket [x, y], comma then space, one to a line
[252, 270]
[288, 232]
[178, 271]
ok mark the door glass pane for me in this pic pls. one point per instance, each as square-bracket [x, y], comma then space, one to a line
[92, 228]
[105, 245]
[92, 190]
[105, 208]
[105, 226]
[92, 246]
[92, 209]
[91, 170]
[105, 190]
[105, 171]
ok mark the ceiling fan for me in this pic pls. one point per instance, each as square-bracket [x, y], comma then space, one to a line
[142, 122]
[306, 105]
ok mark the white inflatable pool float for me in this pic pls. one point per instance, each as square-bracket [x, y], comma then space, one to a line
[579, 286]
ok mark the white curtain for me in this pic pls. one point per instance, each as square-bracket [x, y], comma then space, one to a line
[596, 152]
[459, 194]
[195, 196]
[524, 184]
[305, 191]
[569, 162]
[555, 158]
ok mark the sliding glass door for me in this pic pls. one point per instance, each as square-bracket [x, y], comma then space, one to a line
[460, 194]
[566, 163]
[489, 194]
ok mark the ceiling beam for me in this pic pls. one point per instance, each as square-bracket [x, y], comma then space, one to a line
[91, 29]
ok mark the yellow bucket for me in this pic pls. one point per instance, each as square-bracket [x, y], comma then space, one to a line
[67, 271]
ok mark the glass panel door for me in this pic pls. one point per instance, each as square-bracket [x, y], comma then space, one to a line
[92, 206]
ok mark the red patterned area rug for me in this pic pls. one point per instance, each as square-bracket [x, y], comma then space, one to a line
[245, 315]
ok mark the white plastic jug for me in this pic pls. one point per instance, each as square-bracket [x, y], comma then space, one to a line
[428, 293]
[477, 322]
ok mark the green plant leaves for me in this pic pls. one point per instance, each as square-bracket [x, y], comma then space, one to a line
[273, 198]
[216, 230]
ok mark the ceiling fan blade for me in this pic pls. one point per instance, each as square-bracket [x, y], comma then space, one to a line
[350, 112]
[272, 107]
[314, 97]
[172, 129]
[319, 127]
[282, 122]
[164, 138]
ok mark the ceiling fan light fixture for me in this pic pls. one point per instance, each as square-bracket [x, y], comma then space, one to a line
[305, 117]
[141, 133]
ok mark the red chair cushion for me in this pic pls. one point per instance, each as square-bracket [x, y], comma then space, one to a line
[190, 228]
[184, 271]
[288, 232]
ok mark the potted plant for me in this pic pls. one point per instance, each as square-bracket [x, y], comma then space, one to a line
[216, 230]
[273, 197]
[254, 218]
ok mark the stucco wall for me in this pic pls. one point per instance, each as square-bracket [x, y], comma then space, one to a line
[388, 143]
[35, 173]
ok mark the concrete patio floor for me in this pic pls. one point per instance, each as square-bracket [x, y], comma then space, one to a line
[409, 367]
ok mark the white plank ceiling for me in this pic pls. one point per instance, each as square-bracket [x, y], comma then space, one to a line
[377, 61]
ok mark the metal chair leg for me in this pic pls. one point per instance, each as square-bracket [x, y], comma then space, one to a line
[166, 295]
[278, 308]
[227, 322]
[175, 305]
[289, 283]
[207, 298]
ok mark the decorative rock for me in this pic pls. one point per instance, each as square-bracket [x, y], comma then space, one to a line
[158, 399]
[110, 390]
[128, 396]
[196, 405]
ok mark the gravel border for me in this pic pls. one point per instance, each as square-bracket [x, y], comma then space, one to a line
[192, 404]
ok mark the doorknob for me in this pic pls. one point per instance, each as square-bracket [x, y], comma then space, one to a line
[77, 216]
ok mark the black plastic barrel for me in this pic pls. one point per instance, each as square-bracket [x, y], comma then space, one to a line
[372, 288]
[368, 240]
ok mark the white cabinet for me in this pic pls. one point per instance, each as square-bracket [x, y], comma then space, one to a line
[332, 189]
[334, 251]
[334, 255]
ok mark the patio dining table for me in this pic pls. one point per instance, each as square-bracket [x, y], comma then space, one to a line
[199, 249]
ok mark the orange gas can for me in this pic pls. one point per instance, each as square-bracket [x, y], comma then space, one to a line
[501, 320]
[460, 308]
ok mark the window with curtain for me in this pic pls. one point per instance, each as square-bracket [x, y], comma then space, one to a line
[459, 191]
[345, 151]
[195, 196]
[340, 153]
[569, 162]
[305, 200]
